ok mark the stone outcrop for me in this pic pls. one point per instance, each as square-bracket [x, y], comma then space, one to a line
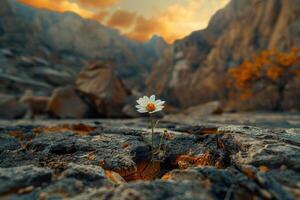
[36, 104]
[105, 89]
[97, 92]
[110, 159]
[66, 103]
[193, 70]
[11, 108]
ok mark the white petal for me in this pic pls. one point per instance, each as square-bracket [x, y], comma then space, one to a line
[139, 106]
[139, 101]
[156, 110]
[159, 107]
[145, 100]
[142, 110]
[159, 102]
[152, 98]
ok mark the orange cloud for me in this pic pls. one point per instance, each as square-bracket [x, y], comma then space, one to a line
[141, 28]
[59, 6]
[97, 3]
[100, 16]
[122, 19]
[144, 28]
[173, 22]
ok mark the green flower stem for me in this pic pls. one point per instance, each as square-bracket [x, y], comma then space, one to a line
[161, 141]
[152, 136]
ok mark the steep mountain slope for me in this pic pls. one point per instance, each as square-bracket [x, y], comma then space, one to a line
[193, 70]
[71, 41]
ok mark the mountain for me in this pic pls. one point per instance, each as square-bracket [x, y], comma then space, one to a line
[192, 70]
[69, 42]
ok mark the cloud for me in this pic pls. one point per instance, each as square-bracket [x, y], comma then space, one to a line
[172, 22]
[100, 16]
[122, 19]
[59, 6]
[97, 3]
[144, 28]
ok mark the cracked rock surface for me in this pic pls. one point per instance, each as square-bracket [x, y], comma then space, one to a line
[111, 159]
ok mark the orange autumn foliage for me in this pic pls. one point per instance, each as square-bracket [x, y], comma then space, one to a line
[271, 66]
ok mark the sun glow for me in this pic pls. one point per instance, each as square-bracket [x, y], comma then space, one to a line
[170, 19]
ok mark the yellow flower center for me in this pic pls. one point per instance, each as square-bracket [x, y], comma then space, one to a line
[150, 107]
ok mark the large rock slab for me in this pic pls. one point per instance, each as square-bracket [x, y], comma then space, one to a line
[111, 159]
[105, 89]
[66, 103]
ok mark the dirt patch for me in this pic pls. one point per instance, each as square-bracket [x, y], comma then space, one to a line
[145, 170]
[79, 129]
[114, 177]
[186, 161]
[17, 134]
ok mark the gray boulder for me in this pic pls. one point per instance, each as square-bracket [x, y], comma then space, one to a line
[11, 108]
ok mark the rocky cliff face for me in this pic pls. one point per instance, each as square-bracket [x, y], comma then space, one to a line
[193, 69]
[69, 40]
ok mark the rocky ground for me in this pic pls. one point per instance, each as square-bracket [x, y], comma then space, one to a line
[263, 119]
[111, 159]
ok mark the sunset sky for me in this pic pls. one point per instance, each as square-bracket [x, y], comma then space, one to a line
[140, 19]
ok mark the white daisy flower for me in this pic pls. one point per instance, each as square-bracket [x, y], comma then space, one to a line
[149, 105]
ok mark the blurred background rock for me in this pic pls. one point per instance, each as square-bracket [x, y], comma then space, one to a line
[78, 68]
